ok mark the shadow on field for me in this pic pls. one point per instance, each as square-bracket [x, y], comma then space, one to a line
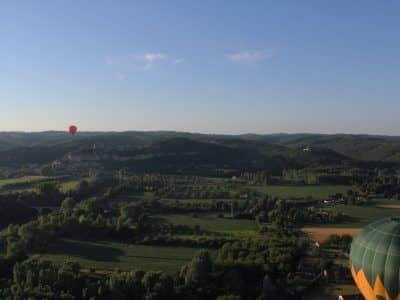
[85, 250]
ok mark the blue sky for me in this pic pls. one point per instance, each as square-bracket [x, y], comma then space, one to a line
[202, 66]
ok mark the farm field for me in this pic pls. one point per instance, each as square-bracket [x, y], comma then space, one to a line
[132, 197]
[321, 234]
[108, 256]
[169, 200]
[69, 185]
[387, 203]
[331, 292]
[213, 223]
[24, 179]
[362, 215]
[389, 206]
[29, 183]
[318, 192]
[26, 183]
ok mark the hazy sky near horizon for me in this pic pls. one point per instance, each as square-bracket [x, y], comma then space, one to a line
[204, 66]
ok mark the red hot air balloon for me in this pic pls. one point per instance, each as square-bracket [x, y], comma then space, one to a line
[73, 129]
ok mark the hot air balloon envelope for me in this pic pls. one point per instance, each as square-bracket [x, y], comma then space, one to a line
[73, 129]
[375, 260]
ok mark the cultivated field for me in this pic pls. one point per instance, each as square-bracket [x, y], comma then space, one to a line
[108, 256]
[321, 234]
[359, 216]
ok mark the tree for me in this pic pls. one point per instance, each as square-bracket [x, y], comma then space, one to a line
[92, 206]
[47, 170]
[67, 205]
[49, 193]
[83, 189]
[127, 283]
[200, 269]
[158, 285]
[234, 208]
[131, 211]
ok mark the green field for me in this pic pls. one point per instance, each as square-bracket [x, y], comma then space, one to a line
[363, 215]
[69, 185]
[30, 183]
[108, 256]
[196, 200]
[213, 223]
[22, 180]
[26, 183]
[318, 192]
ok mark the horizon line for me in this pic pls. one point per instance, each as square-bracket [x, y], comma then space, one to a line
[201, 133]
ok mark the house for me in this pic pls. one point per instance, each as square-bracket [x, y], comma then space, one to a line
[56, 164]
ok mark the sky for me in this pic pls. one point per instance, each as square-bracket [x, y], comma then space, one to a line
[201, 66]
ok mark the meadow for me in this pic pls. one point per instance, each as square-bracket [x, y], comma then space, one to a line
[359, 215]
[107, 256]
[68, 185]
[211, 222]
[318, 192]
[23, 183]
[22, 180]
[30, 183]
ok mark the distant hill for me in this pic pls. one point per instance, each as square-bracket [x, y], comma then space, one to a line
[169, 150]
[231, 152]
[182, 153]
[364, 147]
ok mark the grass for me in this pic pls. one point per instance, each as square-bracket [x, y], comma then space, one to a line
[384, 201]
[213, 223]
[197, 200]
[29, 183]
[363, 215]
[132, 197]
[26, 183]
[69, 185]
[24, 179]
[319, 192]
[108, 256]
